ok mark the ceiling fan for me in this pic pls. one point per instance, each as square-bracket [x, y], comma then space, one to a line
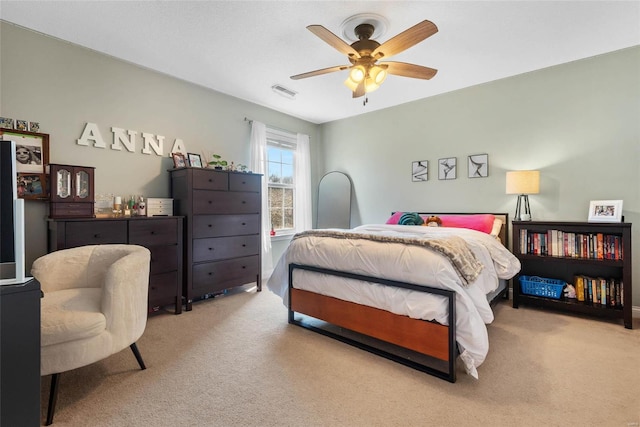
[366, 73]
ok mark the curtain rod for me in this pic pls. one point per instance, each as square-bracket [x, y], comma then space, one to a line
[246, 119]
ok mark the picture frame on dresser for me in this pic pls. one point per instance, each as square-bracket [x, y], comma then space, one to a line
[195, 161]
[605, 211]
[179, 161]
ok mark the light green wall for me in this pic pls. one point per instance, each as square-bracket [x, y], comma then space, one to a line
[578, 123]
[64, 86]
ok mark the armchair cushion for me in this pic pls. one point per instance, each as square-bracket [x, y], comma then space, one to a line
[71, 314]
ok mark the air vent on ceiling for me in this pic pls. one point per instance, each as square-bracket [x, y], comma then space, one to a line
[281, 90]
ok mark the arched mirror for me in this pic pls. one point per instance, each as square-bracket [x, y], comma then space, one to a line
[334, 201]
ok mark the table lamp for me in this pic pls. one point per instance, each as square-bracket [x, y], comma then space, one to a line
[523, 183]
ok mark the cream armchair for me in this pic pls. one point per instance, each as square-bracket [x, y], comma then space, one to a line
[94, 305]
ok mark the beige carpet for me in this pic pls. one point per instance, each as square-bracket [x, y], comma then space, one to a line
[235, 361]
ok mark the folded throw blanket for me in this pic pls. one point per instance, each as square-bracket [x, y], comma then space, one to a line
[454, 248]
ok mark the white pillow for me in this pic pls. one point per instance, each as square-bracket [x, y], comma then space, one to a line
[497, 226]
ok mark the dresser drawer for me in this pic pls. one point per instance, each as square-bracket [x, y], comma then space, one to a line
[225, 202]
[216, 248]
[81, 233]
[216, 276]
[163, 289]
[163, 259]
[150, 232]
[245, 182]
[71, 210]
[210, 180]
[225, 225]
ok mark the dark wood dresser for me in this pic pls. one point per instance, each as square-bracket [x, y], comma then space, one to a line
[161, 235]
[222, 211]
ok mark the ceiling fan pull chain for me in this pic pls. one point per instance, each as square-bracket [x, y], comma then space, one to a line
[366, 100]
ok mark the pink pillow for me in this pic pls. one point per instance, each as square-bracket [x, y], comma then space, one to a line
[479, 222]
[394, 218]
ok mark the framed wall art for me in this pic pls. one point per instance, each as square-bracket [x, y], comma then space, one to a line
[478, 166]
[32, 150]
[447, 168]
[420, 171]
[605, 211]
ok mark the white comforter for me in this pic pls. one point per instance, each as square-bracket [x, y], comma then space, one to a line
[407, 263]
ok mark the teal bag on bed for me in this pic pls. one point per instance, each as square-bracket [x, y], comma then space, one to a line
[410, 218]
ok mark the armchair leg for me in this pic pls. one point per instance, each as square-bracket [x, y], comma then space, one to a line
[136, 353]
[53, 398]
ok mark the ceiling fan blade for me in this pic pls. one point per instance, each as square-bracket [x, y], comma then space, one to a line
[319, 72]
[333, 40]
[406, 39]
[409, 70]
[359, 90]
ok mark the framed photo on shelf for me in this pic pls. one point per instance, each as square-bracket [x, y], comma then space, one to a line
[6, 123]
[179, 160]
[32, 150]
[21, 125]
[32, 186]
[420, 171]
[447, 168]
[605, 211]
[195, 161]
[478, 166]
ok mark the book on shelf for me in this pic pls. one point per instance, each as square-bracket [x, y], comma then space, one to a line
[599, 291]
[558, 243]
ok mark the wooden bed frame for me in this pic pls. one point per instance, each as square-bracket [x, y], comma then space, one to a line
[381, 332]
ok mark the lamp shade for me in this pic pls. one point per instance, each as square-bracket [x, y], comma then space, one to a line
[523, 182]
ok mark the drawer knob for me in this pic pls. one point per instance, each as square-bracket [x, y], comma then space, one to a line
[210, 202]
[244, 182]
[243, 202]
[244, 223]
[244, 245]
[153, 232]
[210, 274]
[244, 266]
[97, 236]
[210, 180]
[210, 225]
[210, 249]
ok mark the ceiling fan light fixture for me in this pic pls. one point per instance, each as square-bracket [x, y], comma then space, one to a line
[351, 84]
[378, 74]
[357, 74]
[370, 85]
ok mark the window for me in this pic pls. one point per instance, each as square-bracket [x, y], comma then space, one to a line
[281, 180]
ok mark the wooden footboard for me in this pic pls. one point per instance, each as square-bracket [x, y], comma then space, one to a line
[391, 332]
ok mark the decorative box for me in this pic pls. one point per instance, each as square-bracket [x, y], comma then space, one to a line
[159, 207]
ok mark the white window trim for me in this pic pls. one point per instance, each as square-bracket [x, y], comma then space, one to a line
[282, 139]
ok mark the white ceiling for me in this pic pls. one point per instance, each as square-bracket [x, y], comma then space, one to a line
[242, 48]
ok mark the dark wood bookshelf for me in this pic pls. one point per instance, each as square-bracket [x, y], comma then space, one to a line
[565, 268]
